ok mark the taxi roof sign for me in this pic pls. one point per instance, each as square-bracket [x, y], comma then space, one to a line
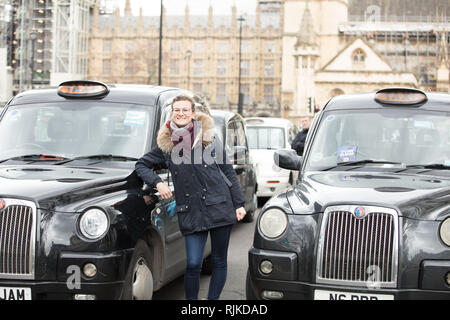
[401, 96]
[82, 89]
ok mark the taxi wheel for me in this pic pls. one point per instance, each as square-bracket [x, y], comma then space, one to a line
[139, 283]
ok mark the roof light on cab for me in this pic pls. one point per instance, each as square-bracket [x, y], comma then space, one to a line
[401, 96]
[82, 89]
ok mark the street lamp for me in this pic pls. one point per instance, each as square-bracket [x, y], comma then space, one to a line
[33, 37]
[160, 43]
[240, 95]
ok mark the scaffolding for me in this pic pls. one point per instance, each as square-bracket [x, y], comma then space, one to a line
[30, 43]
[71, 39]
[408, 47]
[42, 24]
[3, 23]
[5, 70]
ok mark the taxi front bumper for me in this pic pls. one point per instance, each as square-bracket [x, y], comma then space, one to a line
[282, 282]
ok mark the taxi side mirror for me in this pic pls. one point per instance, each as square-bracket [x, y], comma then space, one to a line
[288, 159]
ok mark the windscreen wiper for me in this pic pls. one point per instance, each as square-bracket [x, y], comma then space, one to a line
[100, 157]
[37, 157]
[437, 166]
[355, 163]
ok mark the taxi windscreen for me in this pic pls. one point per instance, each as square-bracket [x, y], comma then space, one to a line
[75, 129]
[409, 137]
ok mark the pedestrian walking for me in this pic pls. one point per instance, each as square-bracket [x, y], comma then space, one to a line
[208, 195]
[298, 144]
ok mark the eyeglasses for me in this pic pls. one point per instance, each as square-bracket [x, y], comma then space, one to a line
[182, 110]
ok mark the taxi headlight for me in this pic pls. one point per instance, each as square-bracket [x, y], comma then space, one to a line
[273, 223]
[94, 224]
[445, 232]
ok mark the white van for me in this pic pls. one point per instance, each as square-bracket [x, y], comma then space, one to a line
[265, 136]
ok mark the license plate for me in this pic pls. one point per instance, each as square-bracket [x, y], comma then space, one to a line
[337, 295]
[9, 293]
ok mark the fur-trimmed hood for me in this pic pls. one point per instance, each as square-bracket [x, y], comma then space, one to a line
[203, 128]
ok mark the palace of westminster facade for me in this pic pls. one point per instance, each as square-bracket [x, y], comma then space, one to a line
[292, 53]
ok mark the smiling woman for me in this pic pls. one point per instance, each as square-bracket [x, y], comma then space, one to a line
[74, 129]
[208, 196]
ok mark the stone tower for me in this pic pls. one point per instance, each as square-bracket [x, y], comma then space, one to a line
[443, 79]
[305, 55]
[304, 20]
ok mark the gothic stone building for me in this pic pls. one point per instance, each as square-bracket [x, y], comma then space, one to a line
[325, 54]
[199, 53]
[295, 54]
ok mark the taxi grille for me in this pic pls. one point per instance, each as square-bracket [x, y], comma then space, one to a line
[17, 239]
[357, 251]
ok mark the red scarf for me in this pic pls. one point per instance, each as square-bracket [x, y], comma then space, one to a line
[191, 132]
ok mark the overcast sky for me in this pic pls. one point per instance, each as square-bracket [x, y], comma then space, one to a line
[177, 7]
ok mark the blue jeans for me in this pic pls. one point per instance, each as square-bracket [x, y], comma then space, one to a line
[195, 245]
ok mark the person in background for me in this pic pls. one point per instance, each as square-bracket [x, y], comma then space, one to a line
[208, 196]
[298, 144]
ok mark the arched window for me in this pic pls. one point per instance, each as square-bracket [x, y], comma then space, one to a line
[358, 58]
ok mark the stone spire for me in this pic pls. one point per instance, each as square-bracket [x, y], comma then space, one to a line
[128, 8]
[187, 22]
[306, 54]
[117, 20]
[306, 36]
[95, 15]
[258, 17]
[210, 18]
[234, 18]
[141, 21]
[443, 53]
[443, 72]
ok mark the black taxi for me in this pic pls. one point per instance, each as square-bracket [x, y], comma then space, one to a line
[75, 220]
[369, 217]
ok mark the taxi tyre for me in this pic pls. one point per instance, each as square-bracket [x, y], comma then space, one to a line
[139, 283]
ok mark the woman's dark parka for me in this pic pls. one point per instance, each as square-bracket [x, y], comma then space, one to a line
[203, 198]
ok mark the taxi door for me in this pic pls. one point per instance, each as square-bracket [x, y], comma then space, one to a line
[237, 149]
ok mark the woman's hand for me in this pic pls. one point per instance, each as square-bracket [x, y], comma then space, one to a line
[240, 213]
[164, 190]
